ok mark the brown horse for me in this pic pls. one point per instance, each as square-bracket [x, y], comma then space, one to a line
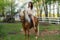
[28, 25]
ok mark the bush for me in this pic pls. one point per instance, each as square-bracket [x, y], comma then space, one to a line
[9, 19]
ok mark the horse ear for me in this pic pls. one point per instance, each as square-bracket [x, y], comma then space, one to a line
[24, 11]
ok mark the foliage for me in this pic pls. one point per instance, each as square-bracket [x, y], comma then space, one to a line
[3, 4]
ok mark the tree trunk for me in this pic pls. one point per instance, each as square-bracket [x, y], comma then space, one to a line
[45, 9]
[58, 9]
[53, 9]
[2, 11]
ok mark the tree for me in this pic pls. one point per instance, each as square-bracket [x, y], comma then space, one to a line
[3, 5]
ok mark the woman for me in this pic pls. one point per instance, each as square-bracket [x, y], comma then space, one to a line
[31, 12]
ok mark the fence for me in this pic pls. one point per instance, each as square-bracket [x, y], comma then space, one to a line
[45, 19]
[50, 19]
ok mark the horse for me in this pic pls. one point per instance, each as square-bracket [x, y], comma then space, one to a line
[28, 25]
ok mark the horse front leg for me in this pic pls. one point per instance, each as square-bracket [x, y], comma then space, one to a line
[36, 33]
[28, 34]
[25, 33]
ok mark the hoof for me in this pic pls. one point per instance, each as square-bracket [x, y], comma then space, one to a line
[36, 37]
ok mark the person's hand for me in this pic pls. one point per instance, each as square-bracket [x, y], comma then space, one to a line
[34, 27]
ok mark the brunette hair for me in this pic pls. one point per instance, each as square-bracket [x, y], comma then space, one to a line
[31, 5]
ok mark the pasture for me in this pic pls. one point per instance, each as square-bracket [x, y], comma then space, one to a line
[11, 31]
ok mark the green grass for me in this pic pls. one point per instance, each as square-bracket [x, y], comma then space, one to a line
[50, 27]
[15, 27]
[11, 27]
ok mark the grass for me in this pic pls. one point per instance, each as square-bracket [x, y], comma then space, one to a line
[11, 27]
[50, 27]
[15, 27]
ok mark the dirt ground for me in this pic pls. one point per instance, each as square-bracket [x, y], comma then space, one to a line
[42, 33]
